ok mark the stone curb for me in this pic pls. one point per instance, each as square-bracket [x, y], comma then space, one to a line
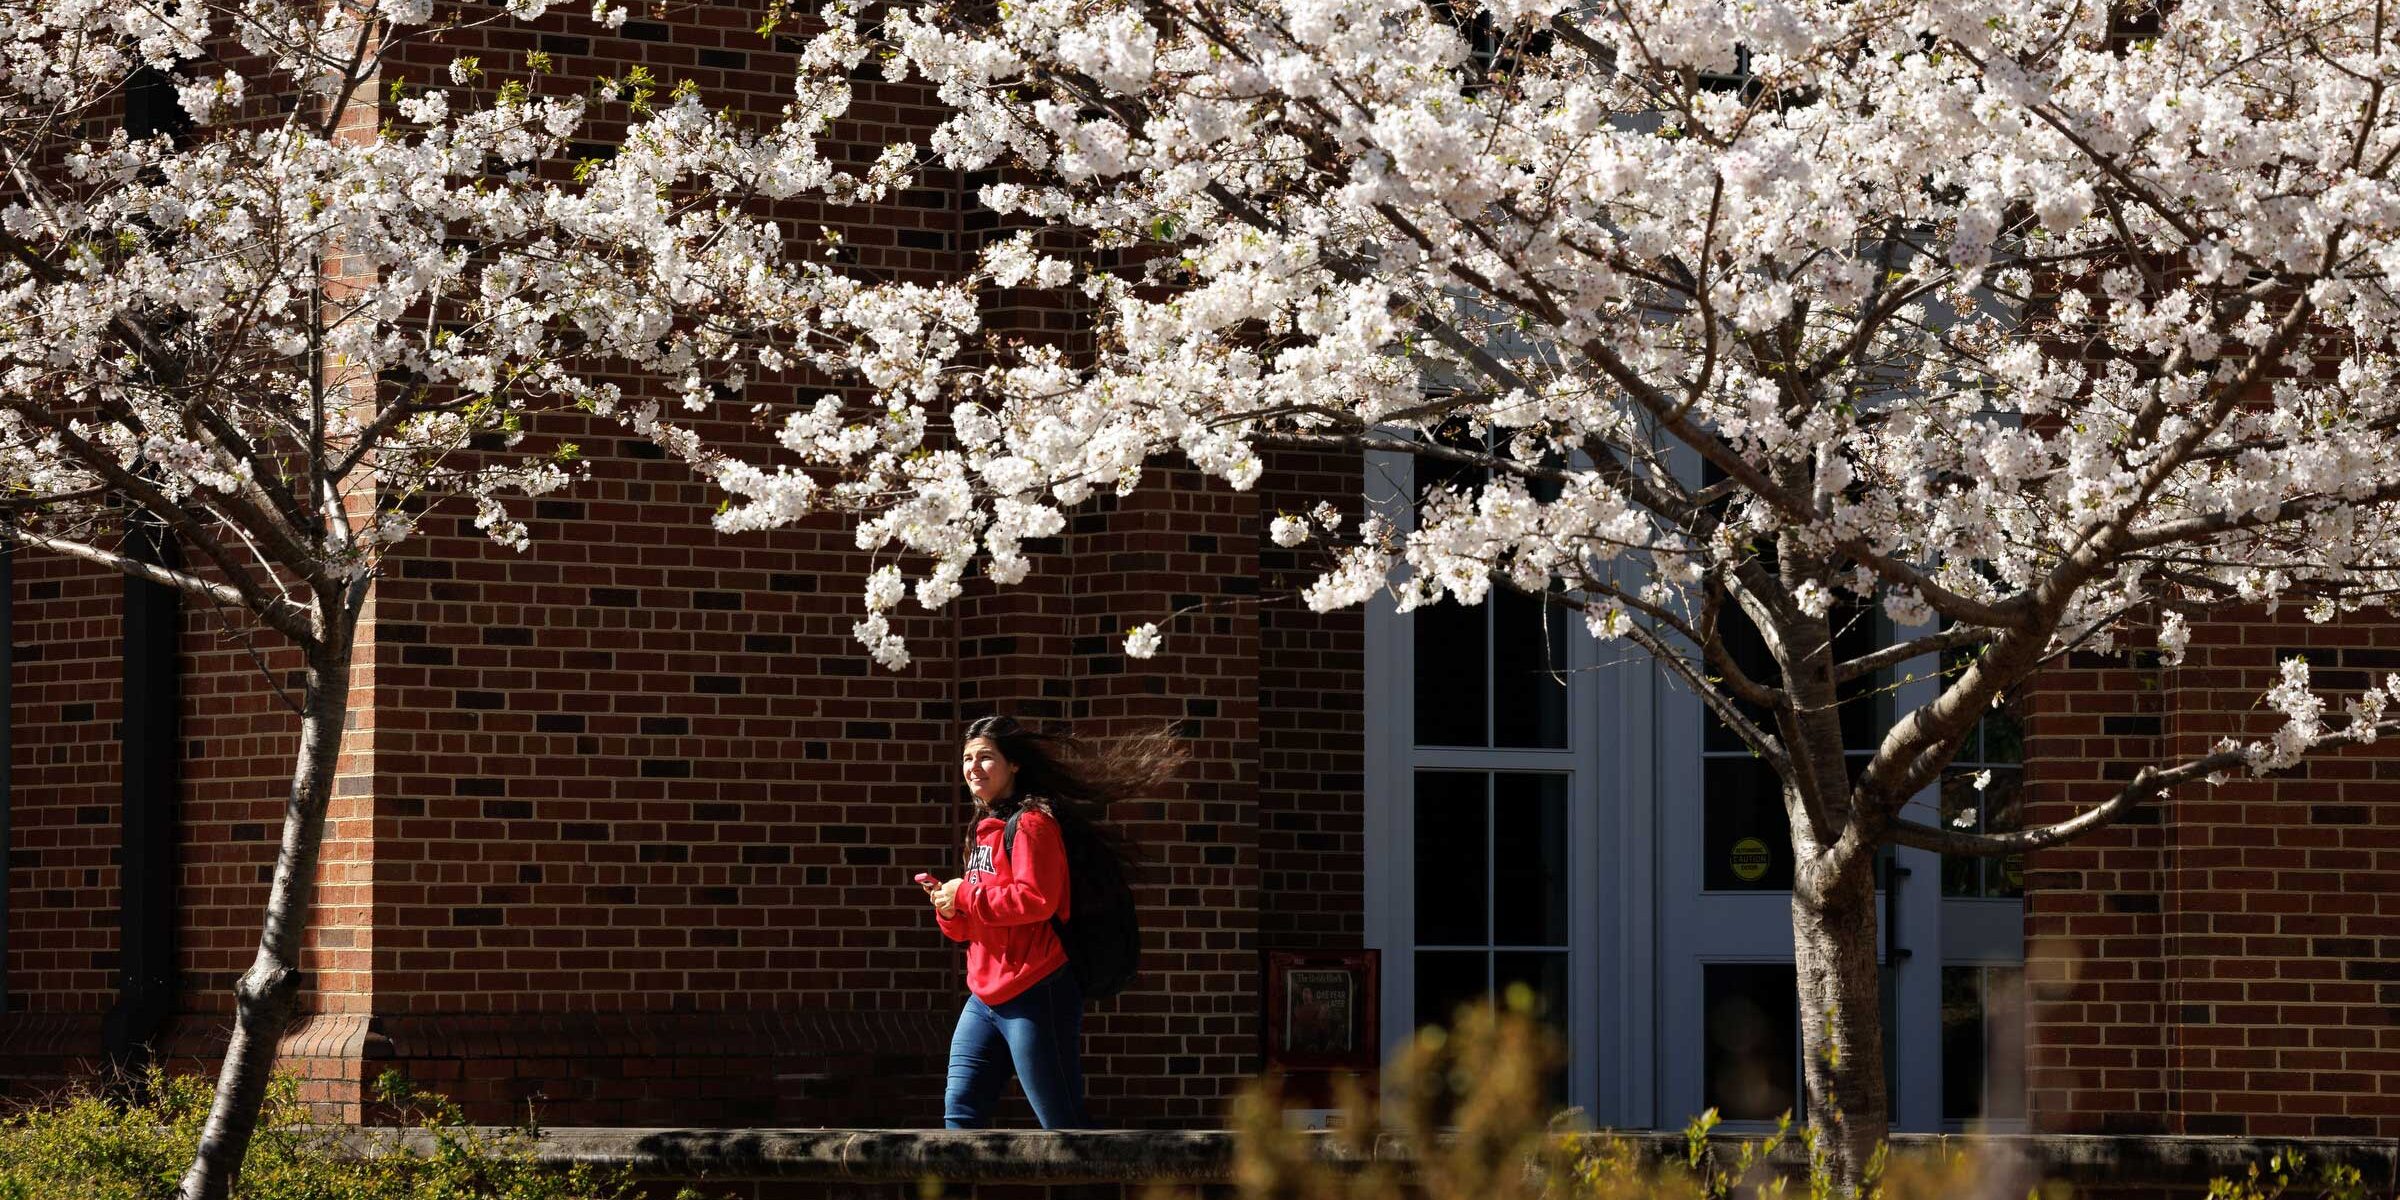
[1206, 1156]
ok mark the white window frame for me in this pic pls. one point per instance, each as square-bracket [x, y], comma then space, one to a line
[1594, 1030]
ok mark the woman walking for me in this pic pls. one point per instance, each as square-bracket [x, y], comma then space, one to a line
[1024, 1010]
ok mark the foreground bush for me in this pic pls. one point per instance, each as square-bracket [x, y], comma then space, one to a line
[86, 1146]
[1473, 1105]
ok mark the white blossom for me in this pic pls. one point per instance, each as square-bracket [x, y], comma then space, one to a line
[1142, 641]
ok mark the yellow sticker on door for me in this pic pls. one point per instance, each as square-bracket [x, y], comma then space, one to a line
[1750, 860]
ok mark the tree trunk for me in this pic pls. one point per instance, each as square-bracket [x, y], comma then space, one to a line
[1841, 1016]
[268, 996]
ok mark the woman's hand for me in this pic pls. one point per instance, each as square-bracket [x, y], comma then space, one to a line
[945, 897]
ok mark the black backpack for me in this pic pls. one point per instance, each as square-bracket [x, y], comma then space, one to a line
[1104, 938]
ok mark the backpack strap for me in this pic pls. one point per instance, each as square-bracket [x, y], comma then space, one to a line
[1008, 850]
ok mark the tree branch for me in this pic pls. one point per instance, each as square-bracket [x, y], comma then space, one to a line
[2149, 782]
[282, 615]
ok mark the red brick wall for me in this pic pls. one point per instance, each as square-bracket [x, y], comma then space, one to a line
[1173, 1051]
[64, 807]
[64, 794]
[2223, 963]
[1312, 725]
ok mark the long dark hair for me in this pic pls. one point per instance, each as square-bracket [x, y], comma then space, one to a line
[1075, 780]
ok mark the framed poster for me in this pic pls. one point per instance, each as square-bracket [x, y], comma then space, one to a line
[1321, 1010]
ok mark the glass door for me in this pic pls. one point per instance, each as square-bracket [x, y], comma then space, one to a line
[1728, 995]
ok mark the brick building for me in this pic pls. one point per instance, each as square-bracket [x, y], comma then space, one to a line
[626, 822]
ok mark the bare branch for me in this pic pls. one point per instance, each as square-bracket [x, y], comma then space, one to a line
[1900, 652]
[285, 617]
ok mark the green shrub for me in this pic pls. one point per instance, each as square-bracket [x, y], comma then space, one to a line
[87, 1146]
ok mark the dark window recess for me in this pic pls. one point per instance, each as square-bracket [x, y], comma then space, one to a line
[151, 107]
[1962, 1043]
[1995, 808]
[1529, 682]
[1543, 973]
[1529, 860]
[1997, 746]
[1746, 840]
[1452, 673]
[1447, 980]
[148, 971]
[1750, 1021]
[1452, 871]
[1983, 1043]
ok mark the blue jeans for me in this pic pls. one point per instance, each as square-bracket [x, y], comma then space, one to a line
[1040, 1031]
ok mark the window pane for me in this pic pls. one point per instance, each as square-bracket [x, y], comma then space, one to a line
[1749, 651]
[2002, 801]
[1751, 1023]
[1529, 856]
[1962, 1043]
[1991, 809]
[2004, 1043]
[2003, 737]
[1546, 973]
[1447, 979]
[1452, 673]
[1857, 632]
[1529, 685]
[1453, 877]
[1962, 874]
[1745, 842]
[1983, 1043]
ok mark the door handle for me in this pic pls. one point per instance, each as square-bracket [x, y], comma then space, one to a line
[1893, 873]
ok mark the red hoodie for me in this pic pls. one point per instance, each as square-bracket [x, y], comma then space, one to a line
[1005, 906]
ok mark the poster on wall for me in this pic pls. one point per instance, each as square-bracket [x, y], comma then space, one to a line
[1321, 1011]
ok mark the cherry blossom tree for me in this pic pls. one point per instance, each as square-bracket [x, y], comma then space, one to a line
[2033, 325]
[284, 334]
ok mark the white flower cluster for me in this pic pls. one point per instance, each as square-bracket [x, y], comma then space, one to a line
[1969, 314]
